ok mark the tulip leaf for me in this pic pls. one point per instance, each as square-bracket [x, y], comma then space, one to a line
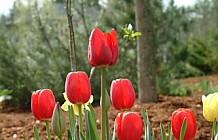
[163, 134]
[36, 133]
[214, 128]
[71, 121]
[183, 129]
[87, 124]
[81, 136]
[24, 137]
[149, 134]
[91, 126]
[69, 137]
[170, 131]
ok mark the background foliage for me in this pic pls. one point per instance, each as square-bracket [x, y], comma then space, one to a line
[34, 44]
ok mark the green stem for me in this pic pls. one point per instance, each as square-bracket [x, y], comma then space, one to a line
[80, 118]
[107, 127]
[48, 130]
[103, 101]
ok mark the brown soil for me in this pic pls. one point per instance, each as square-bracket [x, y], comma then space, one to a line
[15, 122]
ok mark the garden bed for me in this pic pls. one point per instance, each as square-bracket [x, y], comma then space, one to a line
[14, 121]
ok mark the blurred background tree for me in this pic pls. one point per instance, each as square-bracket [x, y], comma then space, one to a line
[34, 47]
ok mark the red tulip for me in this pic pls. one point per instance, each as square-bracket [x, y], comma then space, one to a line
[77, 87]
[103, 48]
[42, 104]
[129, 126]
[122, 94]
[177, 119]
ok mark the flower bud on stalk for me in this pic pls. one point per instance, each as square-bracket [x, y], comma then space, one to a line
[129, 126]
[210, 106]
[77, 87]
[103, 48]
[42, 104]
[58, 121]
[122, 94]
[177, 119]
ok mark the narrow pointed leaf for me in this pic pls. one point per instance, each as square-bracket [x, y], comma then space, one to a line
[144, 120]
[183, 129]
[71, 120]
[163, 134]
[24, 137]
[36, 133]
[170, 132]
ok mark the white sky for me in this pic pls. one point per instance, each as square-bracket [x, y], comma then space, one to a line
[5, 5]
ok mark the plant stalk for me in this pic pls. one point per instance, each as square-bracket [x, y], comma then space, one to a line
[80, 118]
[48, 130]
[103, 101]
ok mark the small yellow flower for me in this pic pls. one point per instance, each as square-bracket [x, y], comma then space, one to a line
[75, 107]
[210, 106]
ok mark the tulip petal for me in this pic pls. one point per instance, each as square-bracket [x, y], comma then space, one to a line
[122, 94]
[35, 105]
[46, 103]
[99, 52]
[114, 49]
[77, 87]
[210, 105]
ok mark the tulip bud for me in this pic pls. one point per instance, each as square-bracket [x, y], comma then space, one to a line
[129, 126]
[177, 119]
[122, 94]
[42, 104]
[103, 48]
[210, 106]
[77, 87]
[58, 121]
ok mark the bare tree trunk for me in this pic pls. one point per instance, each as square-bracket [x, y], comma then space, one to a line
[145, 52]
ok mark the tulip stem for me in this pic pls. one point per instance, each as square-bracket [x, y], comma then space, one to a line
[48, 130]
[103, 101]
[80, 118]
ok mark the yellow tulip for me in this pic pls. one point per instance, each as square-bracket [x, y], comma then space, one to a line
[210, 106]
[75, 107]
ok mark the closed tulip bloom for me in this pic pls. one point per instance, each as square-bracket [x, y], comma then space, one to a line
[42, 104]
[122, 94]
[129, 126]
[77, 87]
[210, 106]
[177, 119]
[103, 48]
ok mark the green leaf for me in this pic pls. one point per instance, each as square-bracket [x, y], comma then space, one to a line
[91, 124]
[5, 91]
[163, 134]
[24, 137]
[144, 120]
[69, 136]
[137, 34]
[81, 136]
[183, 129]
[87, 124]
[71, 121]
[149, 134]
[36, 133]
[214, 128]
[170, 131]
